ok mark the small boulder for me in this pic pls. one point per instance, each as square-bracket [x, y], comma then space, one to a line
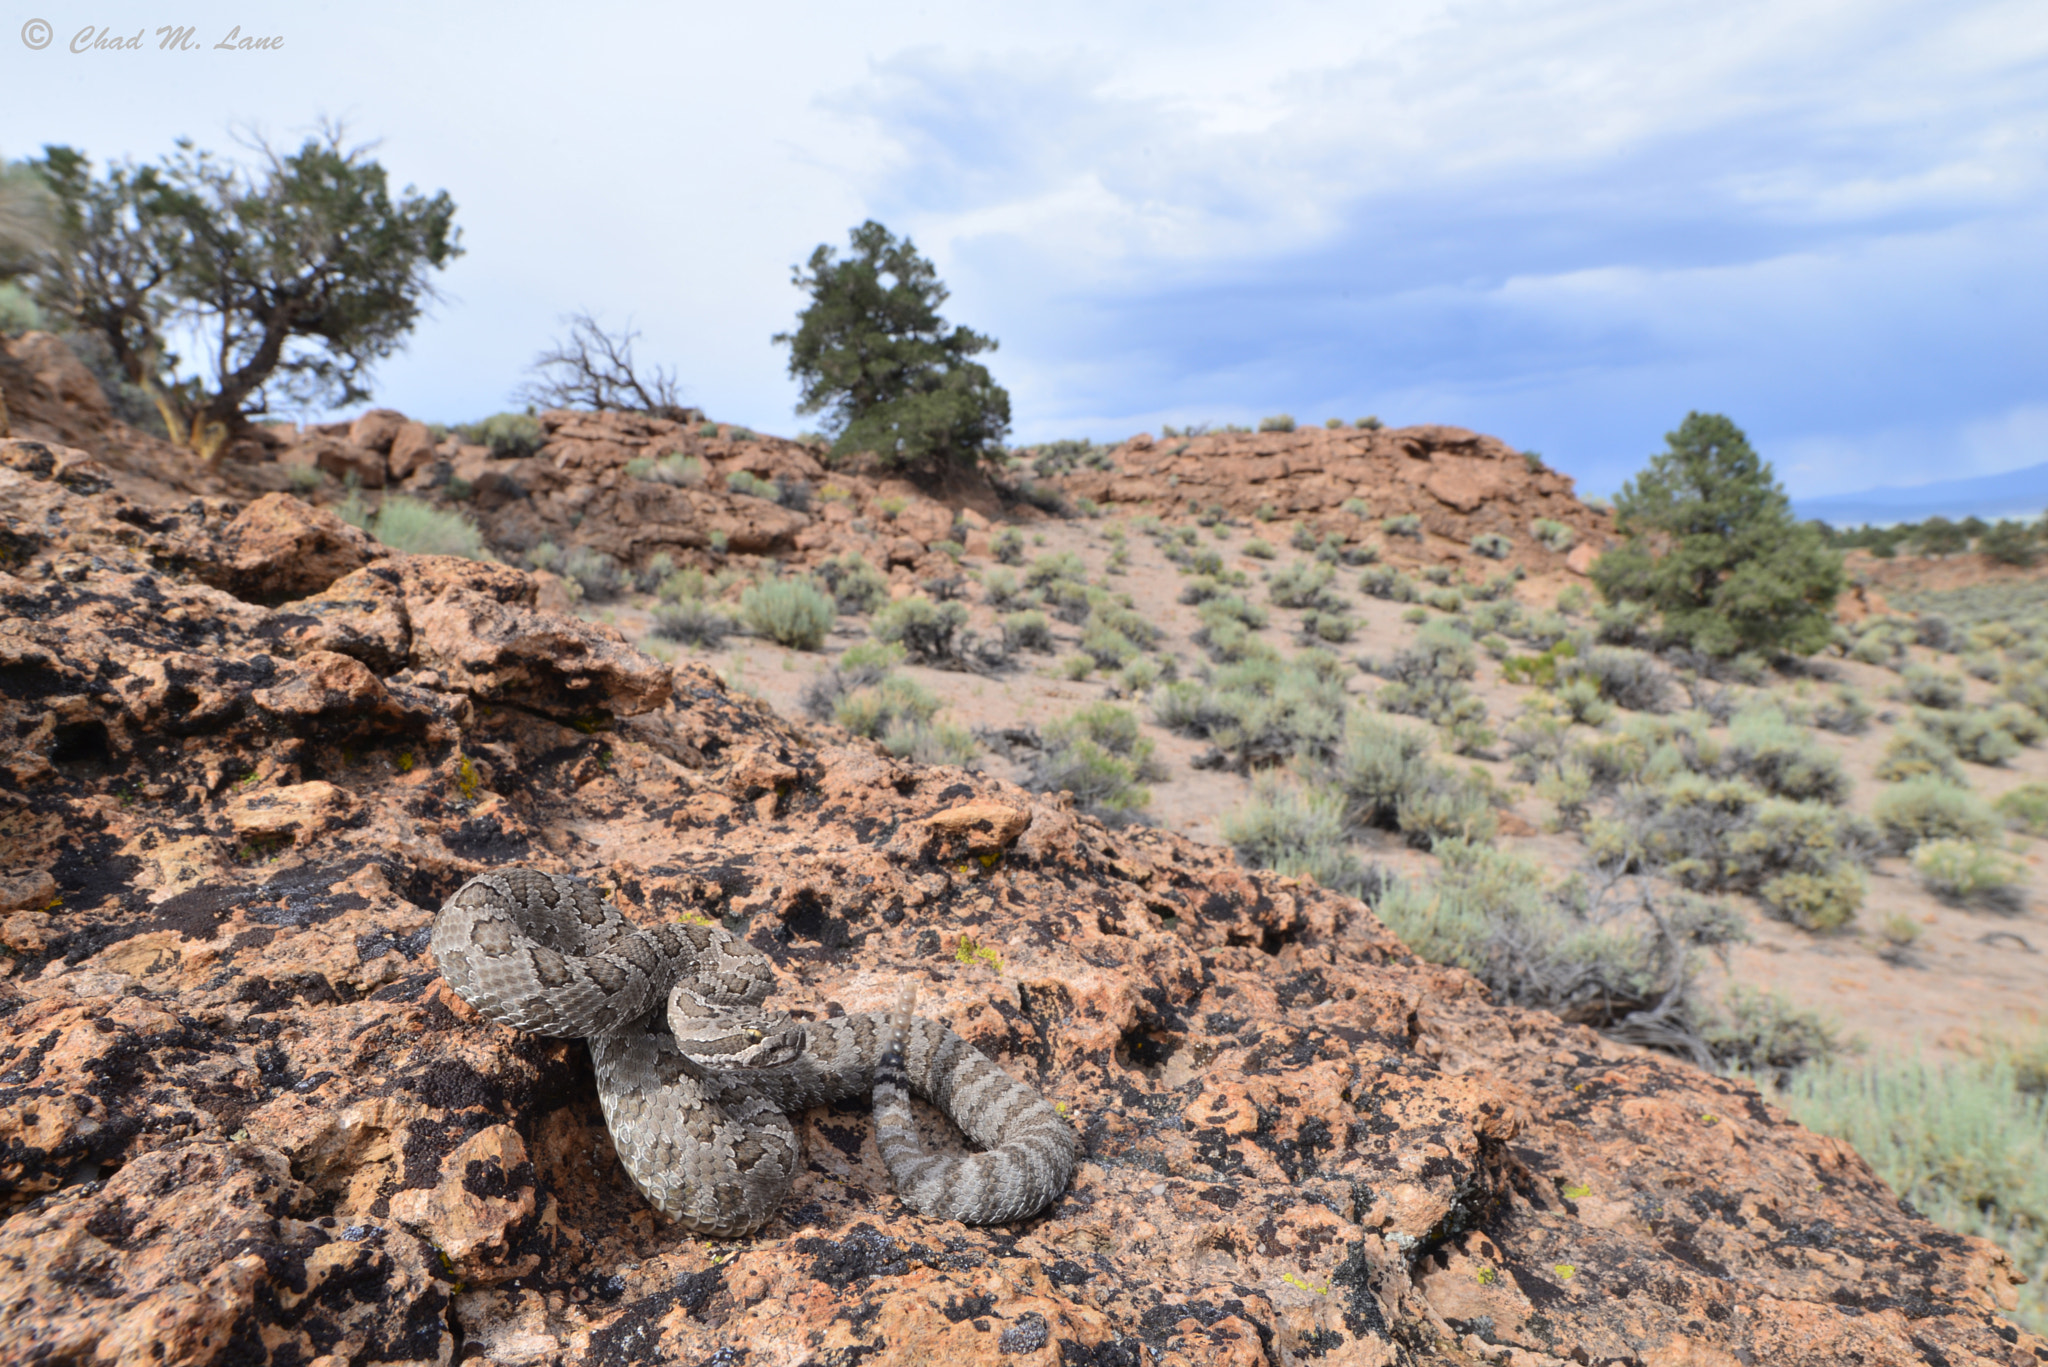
[412, 448]
[279, 548]
[376, 429]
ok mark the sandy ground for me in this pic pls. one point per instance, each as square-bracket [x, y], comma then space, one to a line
[1970, 972]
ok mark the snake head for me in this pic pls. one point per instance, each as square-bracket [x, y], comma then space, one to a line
[742, 1039]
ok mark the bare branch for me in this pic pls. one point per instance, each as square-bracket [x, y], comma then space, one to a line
[594, 369]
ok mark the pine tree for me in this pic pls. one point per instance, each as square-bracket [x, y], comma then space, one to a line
[1713, 547]
[873, 355]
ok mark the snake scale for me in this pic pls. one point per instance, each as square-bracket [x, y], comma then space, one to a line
[696, 1079]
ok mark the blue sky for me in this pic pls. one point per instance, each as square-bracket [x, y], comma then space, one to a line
[1566, 224]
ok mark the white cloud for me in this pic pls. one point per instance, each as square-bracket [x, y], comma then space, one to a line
[1563, 219]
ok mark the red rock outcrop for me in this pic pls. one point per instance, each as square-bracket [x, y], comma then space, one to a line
[242, 1119]
[1459, 483]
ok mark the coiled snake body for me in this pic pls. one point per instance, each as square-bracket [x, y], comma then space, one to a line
[695, 1079]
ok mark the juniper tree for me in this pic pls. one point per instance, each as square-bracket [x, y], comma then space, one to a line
[291, 282]
[1713, 547]
[874, 356]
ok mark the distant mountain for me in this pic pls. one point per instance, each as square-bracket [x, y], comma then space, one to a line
[2015, 493]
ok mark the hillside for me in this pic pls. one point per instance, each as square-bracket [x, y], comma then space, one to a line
[250, 749]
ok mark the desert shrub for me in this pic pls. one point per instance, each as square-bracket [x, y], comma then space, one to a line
[1544, 668]
[2025, 808]
[417, 528]
[1724, 834]
[1626, 678]
[1764, 1034]
[1445, 600]
[1614, 959]
[1914, 752]
[863, 693]
[1979, 735]
[1621, 624]
[1846, 713]
[1297, 830]
[1580, 700]
[1108, 647]
[1008, 547]
[1936, 632]
[999, 588]
[1259, 549]
[691, 621]
[2006, 542]
[750, 484]
[1403, 524]
[1304, 584]
[1926, 686]
[1493, 546]
[594, 572]
[1387, 780]
[1961, 1140]
[1357, 507]
[1965, 872]
[304, 479]
[1332, 628]
[1028, 630]
[1826, 900]
[855, 585]
[1923, 809]
[926, 630]
[1438, 652]
[674, 468]
[1098, 755]
[1552, 535]
[1260, 711]
[509, 435]
[1279, 422]
[1201, 589]
[1782, 759]
[1384, 581]
[1128, 620]
[1115, 729]
[789, 612]
[935, 742]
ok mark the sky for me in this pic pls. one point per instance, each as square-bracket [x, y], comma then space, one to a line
[1564, 224]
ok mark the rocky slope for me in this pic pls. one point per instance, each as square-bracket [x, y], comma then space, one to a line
[246, 752]
[576, 488]
[1459, 484]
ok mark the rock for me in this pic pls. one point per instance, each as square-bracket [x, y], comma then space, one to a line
[1579, 560]
[482, 1212]
[983, 827]
[279, 548]
[925, 522]
[376, 429]
[299, 810]
[412, 447]
[471, 622]
[57, 369]
[361, 614]
[1460, 483]
[32, 888]
[341, 459]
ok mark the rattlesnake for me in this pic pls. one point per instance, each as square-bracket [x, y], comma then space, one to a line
[695, 1101]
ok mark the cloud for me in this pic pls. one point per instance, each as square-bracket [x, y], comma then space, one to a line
[1567, 221]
